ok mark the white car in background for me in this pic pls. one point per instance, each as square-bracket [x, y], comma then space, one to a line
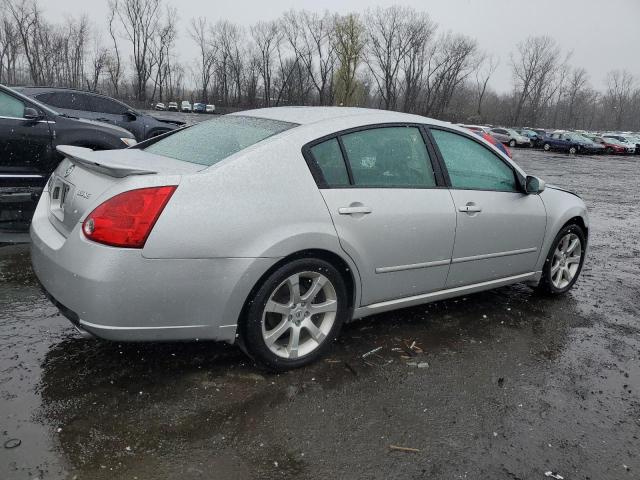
[185, 106]
[173, 107]
[210, 108]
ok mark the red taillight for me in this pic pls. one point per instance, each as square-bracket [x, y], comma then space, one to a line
[127, 219]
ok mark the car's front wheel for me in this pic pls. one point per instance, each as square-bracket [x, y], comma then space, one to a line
[564, 261]
[295, 314]
[512, 143]
[546, 147]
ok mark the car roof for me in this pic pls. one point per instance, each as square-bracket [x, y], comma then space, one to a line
[309, 115]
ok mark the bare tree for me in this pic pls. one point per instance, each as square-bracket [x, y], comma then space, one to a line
[113, 63]
[387, 44]
[420, 31]
[161, 53]
[9, 50]
[482, 77]
[533, 69]
[619, 91]
[267, 38]
[311, 38]
[140, 21]
[199, 33]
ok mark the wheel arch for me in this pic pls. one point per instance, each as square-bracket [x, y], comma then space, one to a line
[348, 273]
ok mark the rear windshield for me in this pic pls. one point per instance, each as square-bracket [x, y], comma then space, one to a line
[209, 142]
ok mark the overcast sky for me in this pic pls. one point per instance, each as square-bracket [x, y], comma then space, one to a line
[602, 34]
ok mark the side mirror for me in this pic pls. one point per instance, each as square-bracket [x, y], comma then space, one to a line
[31, 113]
[534, 185]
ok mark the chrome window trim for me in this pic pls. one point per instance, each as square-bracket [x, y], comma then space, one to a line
[22, 119]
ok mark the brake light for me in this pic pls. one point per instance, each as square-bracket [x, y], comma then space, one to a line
[127, 219]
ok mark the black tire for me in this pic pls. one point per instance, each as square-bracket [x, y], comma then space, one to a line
[546, 147]
[546, 286]
[512, 143]
[608, 150]
[251, 337]
[573, 150]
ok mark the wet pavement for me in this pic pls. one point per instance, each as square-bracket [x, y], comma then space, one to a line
[502, 385]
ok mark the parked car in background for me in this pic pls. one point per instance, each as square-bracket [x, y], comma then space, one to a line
[569, 142]
[628, 143]
[94, 106]
[199, 108]
[29, 134]
[536, 139]
[160, 106]
[210, 108]
[510, 137]
[172, 107]
[185, 106]
[610, 146]
[281, 277]
[628, 147]
[493, 141]
[476, 128]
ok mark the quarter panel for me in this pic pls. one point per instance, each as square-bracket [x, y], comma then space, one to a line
[261, 203]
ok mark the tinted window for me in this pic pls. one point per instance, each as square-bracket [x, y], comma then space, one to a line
[68, 100]
[389, 157]
[329, 158]
[106, 105]
[499, 130]
[10, 106]
[209, 142]
[471, 165]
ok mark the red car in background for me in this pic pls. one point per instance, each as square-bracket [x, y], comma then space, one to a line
[489, 138]
[611, 145]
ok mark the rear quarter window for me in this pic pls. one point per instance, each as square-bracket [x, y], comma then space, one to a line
[209, 142]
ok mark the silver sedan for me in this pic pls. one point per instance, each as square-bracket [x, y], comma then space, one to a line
[270, 228]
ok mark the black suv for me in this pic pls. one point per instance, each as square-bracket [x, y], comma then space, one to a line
[29, 134]
[101, 108]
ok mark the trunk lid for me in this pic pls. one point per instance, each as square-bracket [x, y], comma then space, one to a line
[84, 175]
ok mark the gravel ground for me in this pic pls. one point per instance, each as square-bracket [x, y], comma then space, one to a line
[509, 385]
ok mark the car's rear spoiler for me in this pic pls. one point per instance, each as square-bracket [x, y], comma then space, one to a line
[113, 168]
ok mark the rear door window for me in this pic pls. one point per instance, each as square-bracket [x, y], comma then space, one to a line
[209, 142]
[389, 157]
[106, 105]
[69, 100]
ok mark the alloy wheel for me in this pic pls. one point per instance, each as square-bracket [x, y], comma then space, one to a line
[566, 260]
[299, 314]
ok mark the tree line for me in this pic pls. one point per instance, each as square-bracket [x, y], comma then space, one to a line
[394, 58]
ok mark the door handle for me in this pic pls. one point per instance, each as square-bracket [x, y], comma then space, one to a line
[355, 209]
[470, 208]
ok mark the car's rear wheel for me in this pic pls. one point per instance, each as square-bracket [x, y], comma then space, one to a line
[608, 150]
[564, 261]
[512, 143]
[573, 150]
[546, 147]
[295, 314]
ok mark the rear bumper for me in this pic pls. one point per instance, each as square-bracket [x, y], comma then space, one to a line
[117, 294]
